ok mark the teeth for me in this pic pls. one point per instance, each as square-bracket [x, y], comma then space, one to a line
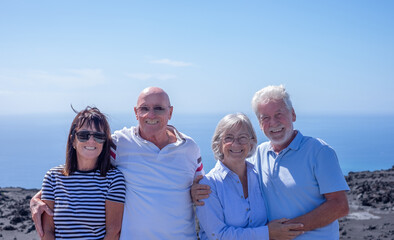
[90, 148]
[151, 121]
[236, 151]
[276, 130]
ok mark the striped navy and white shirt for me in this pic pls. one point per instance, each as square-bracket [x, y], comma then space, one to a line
[80, 201]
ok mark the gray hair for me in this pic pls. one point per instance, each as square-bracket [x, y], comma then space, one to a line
[227, 123]
[269, 93]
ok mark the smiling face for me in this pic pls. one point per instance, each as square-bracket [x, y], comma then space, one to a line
[276, 121]
[153, 121]
[90, 150]
[234, 151]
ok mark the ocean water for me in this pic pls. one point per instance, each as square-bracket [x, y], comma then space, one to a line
[32, 144]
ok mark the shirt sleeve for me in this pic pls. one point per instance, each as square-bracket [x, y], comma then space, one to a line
[48, 186]
[328, 172]
[117, 189]
[196, 155]
[200, 169]
[113, 149]
[212, 221]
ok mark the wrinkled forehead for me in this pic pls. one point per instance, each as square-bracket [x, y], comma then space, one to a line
[155, 98]
[236, 129]
[272, 105]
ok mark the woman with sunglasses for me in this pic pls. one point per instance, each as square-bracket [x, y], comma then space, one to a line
[86, 193]
[235, 209]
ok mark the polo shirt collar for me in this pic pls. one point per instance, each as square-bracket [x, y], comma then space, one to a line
[179, 137]
[294, 145]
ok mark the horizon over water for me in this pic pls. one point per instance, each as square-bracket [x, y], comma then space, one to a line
[32, 144]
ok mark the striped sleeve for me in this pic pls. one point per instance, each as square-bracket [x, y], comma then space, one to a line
[48, 186]
[117, 188]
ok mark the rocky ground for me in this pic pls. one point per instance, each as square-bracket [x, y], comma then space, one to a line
[15, 217]
[371, 200]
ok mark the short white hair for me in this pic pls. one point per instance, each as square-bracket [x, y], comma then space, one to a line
[269, 93]
[227, 123]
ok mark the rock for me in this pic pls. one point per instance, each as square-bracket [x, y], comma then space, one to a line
[9, 228]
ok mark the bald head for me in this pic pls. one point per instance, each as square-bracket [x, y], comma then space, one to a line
[153, 111]
[154, 91]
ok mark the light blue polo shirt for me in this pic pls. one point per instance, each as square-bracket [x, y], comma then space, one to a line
[293, 182]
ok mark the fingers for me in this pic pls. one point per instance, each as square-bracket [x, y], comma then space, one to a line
[202, 193]
[199, 191]
[48, 210]
[289, 235]
[293, 234]
[199, 203]
[197, 179]
[288, 226]
[37, 208]
[200, 187]
[293, 227]
[290, 232]
[282, 220]
[198, 195]
[37, 223]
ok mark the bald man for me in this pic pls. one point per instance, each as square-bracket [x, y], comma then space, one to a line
[159, 164]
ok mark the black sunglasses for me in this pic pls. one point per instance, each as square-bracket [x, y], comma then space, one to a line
[83, 136]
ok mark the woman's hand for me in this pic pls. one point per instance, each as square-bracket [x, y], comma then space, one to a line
[37, 208]
[280, 230]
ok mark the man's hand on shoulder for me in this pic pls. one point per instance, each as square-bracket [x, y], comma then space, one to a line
[199, 191]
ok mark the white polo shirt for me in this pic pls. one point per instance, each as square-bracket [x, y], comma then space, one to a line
[158, 203]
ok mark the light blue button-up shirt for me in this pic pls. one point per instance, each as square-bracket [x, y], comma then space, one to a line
[226, 213]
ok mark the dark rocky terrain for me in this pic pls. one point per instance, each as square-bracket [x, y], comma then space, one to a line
[15, 217]
[371, 200]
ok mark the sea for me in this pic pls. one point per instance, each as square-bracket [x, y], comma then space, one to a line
[32, 144]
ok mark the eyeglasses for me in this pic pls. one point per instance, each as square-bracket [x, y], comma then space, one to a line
[243, 139]
[83, 136]
[159, 110]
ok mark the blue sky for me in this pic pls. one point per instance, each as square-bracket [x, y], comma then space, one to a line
[334, 57]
